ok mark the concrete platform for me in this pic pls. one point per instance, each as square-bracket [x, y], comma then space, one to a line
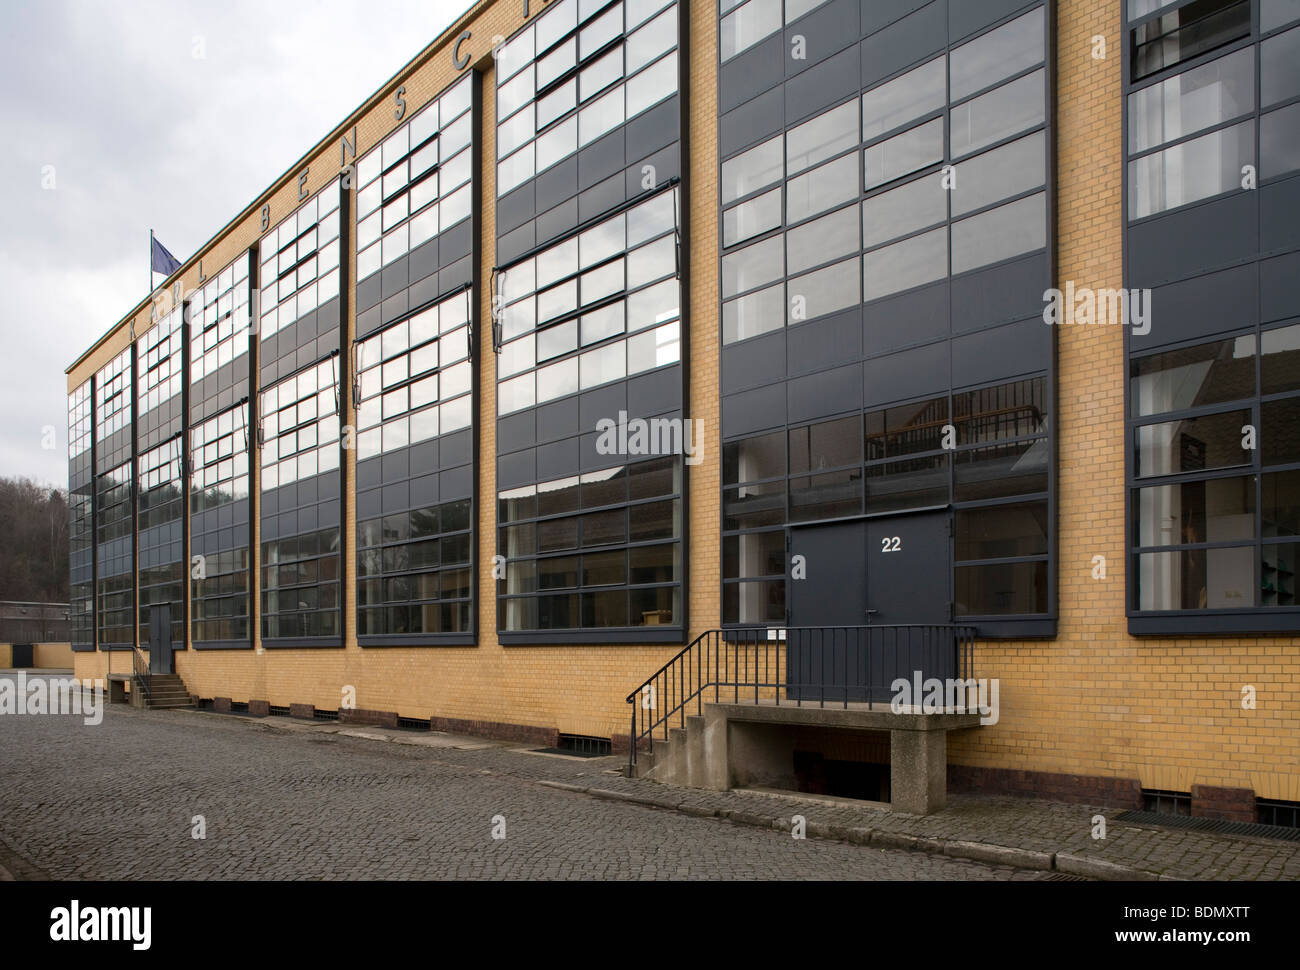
[751, 745]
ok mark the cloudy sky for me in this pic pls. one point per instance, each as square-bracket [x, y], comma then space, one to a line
[169, 115]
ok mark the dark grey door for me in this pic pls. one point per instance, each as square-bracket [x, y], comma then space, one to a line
[828, 590]
[909, 595]
[160, 639]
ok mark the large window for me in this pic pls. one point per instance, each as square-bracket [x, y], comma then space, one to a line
[219, 318]
[850, 206]
[597, 307]
[581, 69]
[1216, 497]
[1195, 134]
[300, 262]
[116, 606]
[220, 529]
[594, 551]
[414, 379]
[415, 487]
[300, 505]
[983, 451]
[81, 540]
[160, 536]
[745, 24]
[415, 184]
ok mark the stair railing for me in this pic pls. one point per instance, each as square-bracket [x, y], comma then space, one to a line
[140, 672]
[752, 665]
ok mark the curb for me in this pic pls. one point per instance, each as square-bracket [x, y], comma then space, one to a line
[985, 852]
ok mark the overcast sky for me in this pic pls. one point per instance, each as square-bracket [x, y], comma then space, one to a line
[171, 115]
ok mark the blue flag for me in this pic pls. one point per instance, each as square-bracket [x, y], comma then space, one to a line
[163, 261]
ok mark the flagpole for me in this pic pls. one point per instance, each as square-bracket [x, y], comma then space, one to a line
[151, 262]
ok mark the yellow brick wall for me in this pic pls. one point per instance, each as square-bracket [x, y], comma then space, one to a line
[1096, 701]
[1093, 701]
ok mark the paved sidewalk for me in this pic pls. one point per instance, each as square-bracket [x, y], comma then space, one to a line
[1002, 831]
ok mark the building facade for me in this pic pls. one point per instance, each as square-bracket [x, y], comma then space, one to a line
[606, 324]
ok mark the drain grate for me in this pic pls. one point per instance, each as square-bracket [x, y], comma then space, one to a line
[1217, 826]
[1064, 877]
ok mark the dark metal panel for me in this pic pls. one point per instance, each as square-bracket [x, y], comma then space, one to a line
[655, 129]
[1279, 296]
[751, 122]
[559, 459]
[754, 362]
[827, 30]
[822, 86]
[755, 410]
[1002, 353]
[560, 181]
[655, 393]
[821, 395]
[515, 243]
[881, 13]
[993, 296]
[600, 198]
[602, 402]
[517, 431]
[825, 342]
[515, 208]
[904, 42]
[557, 221]
[1193, 240]
[964, 18]
[926, 313]
[911, 374]
[1279, 225]
[1201, 306]
[519, 468]
[751, 73]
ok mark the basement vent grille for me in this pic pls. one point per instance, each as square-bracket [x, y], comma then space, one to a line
[205, 703]
[274, 711]
[414, 724]
[238, 707]
[1278, 813]
[320, 715]
[581, 744]
[1252, 829]
[1162, 802]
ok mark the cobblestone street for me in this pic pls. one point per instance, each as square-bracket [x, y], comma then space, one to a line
[294, 800]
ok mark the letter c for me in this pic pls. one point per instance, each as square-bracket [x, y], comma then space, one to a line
[460, 61]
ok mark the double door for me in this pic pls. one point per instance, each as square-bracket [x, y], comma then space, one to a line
[870, 601]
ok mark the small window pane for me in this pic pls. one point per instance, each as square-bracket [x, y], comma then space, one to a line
[1016, 228]
[903, 154]
[921, 259]
[1192, 377]
[826, 135]
[1280, 366]
[752, 170]
[1186, 103]
[1195, 170]
[652, 85]
[745, 27]
[755, 314]
[903, 210]
[752, 218]
[753, 266]
[1001, 173]
[1277, 13]
[1000, 53]
[825, 291]
[899, 101]
[991, 117]
[822, 240]
[821, 189]
[652, 40]
[1279, 141]
[1219, 510]
[1197, 579]
[1193, 444]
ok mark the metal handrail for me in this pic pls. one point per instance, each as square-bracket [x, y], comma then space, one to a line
[140, 668]
[755, 660]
